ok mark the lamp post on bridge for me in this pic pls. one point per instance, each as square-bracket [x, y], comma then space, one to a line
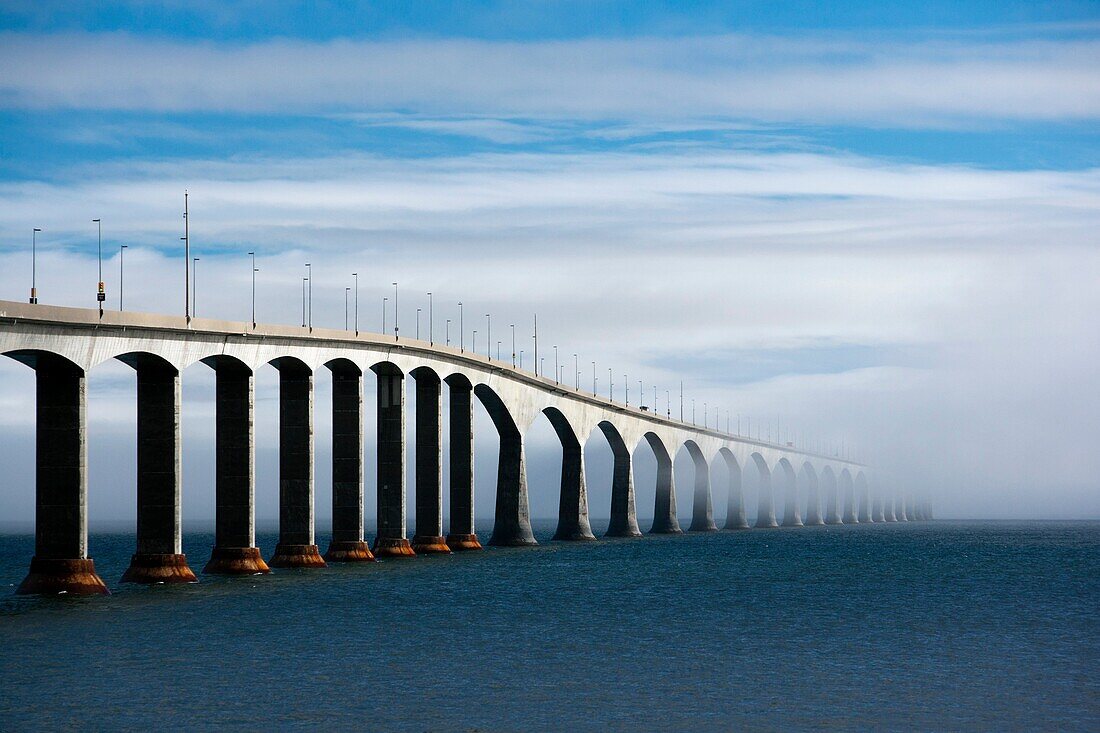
[385, 300]
[194, 286]
[626, 391]
[448, 332]
[556, 371]
[347, 292]
[396, 315]
[473, 343]
[417, 324]
[489, 336]
[610, 386]
[461, 330]
[577, 372]
[254, 271]
[101, 293]
[356, 276]
[121, 253]
[309, 296]
[431, 322]
[512, 326]
[34, 264]
[593, 378]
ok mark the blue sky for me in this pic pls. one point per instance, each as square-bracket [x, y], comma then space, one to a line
[874, 221]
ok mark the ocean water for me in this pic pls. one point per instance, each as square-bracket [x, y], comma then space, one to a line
[935, 626]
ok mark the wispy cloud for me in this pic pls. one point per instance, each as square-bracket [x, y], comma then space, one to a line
[811, 79]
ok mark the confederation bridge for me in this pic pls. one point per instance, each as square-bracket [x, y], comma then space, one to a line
[63, 344]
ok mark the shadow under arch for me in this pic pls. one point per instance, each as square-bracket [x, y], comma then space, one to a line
[765, 512]
[808, 476]
[844, 490]
[461, 534]
[573, 522]
[828, 489]
[390, 540]
[512, 521]
[624, 517]
[735, 502]
[863, 498]
[702, 507]
[60, 563]
[664, 503]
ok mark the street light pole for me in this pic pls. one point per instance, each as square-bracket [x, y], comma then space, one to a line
[593, 378]
[100, 294]
[34, 264]
[309, 297]
[448, 332]
[489, 336]
[121, 255]
[186, 260]
[610, 385]
[626, 390]
[417, 324]
[195, 287]
[347, 292]
[473, 344]
[304, 280]
[356, 276]
[384, 301]
[431, 322]
[254, 271]
[461, 330]
[513, 327]
[396, 327]
[577, 372]
[555, 364]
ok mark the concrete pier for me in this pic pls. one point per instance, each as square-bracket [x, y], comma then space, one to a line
[235, 551]
[765, 508]
[347, 543]
[847, 491]
[832, 497]
[899, 508]
[702, 507]
[297, 544]
[792, 515]
[429, 538]
[813, 498]
[159, 554]
[735, 509]
[888, 514]
[624, 516]
[878, 513]
[664, 503]
[391, 540]
[512, 520]
[573, 523]
[462, 535]
[60, 563]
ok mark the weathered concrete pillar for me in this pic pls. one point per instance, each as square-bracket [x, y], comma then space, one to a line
[888, 508]
[735, 510]
[391, 540]
[765, 511]
[792, 514]
[235, 551]
[832, 514]
[60, 563]
[664, 504]
[462, 535]
[702, 509]
[813, 500]
[296, 548]
[624, 516]
[159, 557]
[573, 524]
[928, 511]
[899, 508]
[911, 509]
[848, 491]
[429, 464]
[864, 504]
[347, 543]
[878, 513]
[512, 524]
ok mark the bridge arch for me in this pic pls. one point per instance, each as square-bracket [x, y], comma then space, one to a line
[847, 494]
[735, 501]
[765, 514]
[808, 477]
[702, 508]
[664, 503]
[863, 497]
[624, 517]
[573, 522]
[785, 472]
[512, 522]
[828, 492]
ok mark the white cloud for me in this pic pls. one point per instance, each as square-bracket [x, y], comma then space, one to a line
[814, 78]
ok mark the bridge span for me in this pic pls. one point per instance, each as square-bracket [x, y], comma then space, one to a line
[63, 344]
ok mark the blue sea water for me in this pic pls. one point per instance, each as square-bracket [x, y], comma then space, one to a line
[933, 626]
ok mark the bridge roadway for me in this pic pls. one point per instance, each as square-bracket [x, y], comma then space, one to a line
[63, 344]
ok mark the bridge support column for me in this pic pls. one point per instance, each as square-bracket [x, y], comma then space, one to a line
[813, 502]
[234, 552]
[512, 524]
[792, 515]
[296, 548]
[664, 503]
[832, 512]
[878, 514]
[850, 506]
[429, 465]
[735, 509]
[899, 508]
[461, 460]
[702, 508]
[864, 506]
[347, 543]
[159, 557]
[624, 516]
[573, 524]
[391, 540]
[888, 514]
[765, 513]
[61, 563]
